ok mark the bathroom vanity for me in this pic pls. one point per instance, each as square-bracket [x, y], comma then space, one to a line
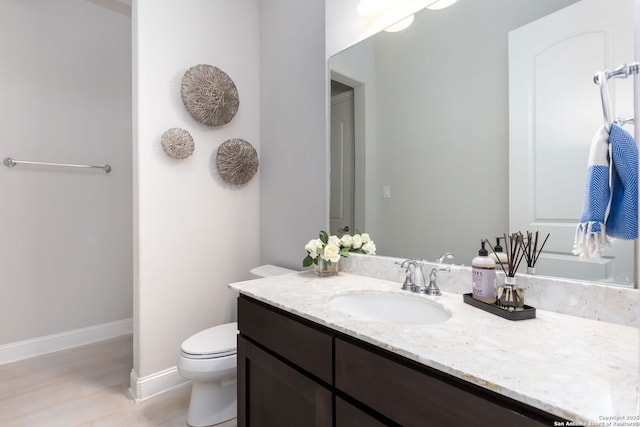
[301, 362]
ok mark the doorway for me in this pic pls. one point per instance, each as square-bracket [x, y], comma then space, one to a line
[342, 175]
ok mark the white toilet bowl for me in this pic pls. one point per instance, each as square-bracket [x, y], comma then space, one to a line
[208, 359]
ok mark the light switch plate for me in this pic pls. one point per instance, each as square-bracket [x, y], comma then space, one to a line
[386, 191]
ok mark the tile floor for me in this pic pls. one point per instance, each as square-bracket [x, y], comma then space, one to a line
[85, 387]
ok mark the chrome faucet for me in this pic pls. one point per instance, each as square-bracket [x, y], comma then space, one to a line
[415, 279]
[446, 255]
[409, 281]
[433, 289]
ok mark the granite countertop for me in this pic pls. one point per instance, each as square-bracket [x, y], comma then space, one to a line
[579, 369]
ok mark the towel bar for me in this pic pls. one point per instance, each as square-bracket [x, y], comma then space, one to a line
[10, 162]
[622, 71]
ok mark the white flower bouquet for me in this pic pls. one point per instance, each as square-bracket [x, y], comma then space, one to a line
[331, 248]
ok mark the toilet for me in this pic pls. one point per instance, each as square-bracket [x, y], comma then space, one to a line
[269, 270]
[208, 359]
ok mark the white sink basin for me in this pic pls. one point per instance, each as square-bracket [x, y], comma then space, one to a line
[390, 307]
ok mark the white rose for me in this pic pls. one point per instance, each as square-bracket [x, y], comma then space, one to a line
[346, 241]
[369, 247]
[312, 247]
[334, 240]
[357, 241]
[365, 237]
[331, 253]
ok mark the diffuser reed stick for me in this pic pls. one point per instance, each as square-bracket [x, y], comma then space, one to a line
[531, 251]
[515, 253]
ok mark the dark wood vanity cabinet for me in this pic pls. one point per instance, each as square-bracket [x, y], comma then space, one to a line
[285, 370]
[293, 372]
[271, 393]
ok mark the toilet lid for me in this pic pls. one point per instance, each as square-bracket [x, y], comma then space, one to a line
[218, 341]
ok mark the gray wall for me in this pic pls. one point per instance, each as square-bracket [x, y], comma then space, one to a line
[293, 129]
[65, 254]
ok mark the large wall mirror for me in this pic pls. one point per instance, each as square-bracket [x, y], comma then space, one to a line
[477, 121]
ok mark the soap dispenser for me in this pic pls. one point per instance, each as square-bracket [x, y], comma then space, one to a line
[483, 276]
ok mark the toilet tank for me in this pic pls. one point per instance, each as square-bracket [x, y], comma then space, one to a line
[260, 272]
[269, 270]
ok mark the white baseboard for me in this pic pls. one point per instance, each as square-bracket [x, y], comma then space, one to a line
[48, 344]
[154, 384]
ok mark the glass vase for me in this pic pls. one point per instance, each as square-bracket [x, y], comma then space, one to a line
[326, 268]
[509, 296]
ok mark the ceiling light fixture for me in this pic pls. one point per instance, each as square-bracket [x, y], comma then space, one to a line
[441, 4]
[400, 25]
[375, 7]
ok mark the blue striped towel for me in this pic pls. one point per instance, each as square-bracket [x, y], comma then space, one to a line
[610, 207]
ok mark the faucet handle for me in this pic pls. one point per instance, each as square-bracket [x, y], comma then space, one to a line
[404, 264]
[409, 284]
[433, 289]
[434, 272]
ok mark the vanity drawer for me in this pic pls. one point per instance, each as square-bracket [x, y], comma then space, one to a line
[287, 335]
[414, 397]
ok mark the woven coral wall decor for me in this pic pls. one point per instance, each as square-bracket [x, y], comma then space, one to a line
[237, 161]
[209, 95]
[177, 143]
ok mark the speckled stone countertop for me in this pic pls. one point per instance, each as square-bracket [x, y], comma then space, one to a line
[579, 369]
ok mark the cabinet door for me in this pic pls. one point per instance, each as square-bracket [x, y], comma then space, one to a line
[348, 415]
[273, 394]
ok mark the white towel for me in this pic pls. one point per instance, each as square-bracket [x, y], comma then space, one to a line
[591, 237]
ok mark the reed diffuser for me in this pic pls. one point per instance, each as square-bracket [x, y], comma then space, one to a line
[509, 297]
[531, 251]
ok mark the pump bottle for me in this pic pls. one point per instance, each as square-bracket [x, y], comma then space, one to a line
[483, 276]
[499, 257]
